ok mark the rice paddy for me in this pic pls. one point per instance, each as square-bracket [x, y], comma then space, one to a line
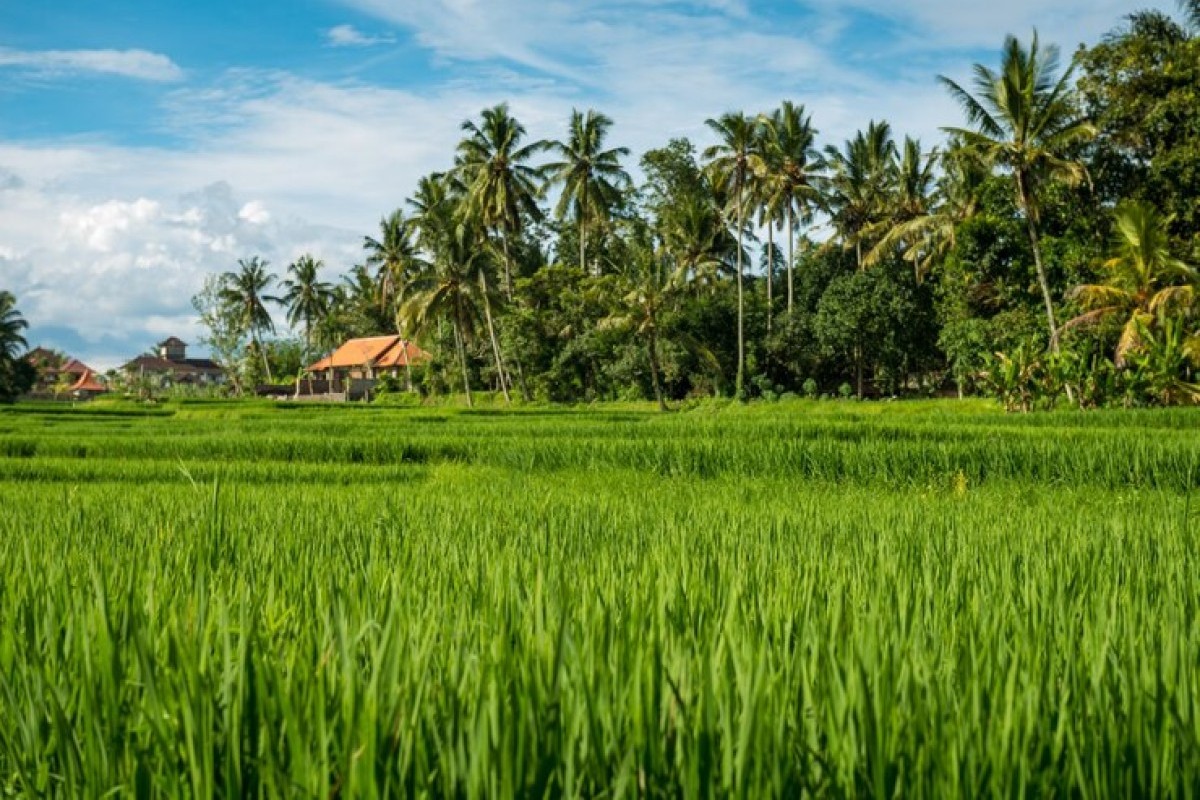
[823, 599]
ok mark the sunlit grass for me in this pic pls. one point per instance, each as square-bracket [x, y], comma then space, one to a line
[805, 597]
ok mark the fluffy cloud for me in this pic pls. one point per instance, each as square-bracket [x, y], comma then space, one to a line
[106, 280]
[350, 36]
[138, 64]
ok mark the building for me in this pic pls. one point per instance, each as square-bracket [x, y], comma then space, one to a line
[61, 375]
[369, 359]
[170, 364]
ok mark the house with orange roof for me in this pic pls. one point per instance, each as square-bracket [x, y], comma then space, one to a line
[59, 373]
[368, 359]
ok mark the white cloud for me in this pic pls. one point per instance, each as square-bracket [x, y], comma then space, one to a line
[255, 213]
[139, 64]
[350, 36]
[106, 280]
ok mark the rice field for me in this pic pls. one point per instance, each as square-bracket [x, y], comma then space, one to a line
[785, 600]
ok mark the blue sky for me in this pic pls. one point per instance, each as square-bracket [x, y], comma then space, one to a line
[145, 144]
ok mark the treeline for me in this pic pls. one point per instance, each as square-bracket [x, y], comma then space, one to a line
[1041, 252]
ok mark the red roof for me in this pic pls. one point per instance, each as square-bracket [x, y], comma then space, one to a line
[87, 383]
[374, 351]
[75, 367]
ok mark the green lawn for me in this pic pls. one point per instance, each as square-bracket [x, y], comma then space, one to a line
[836, 598]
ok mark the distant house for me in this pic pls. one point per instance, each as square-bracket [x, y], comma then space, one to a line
[369, 359]
[171, 365]
[60, 374]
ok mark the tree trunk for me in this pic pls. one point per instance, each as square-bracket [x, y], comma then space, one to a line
[858, 368]
[741, 311]
[262, 351]
[1031, 228]
[583, 235]
[462, 361]
[487, 312]
[508, 288]
[652, 351]
[791, 257]
[770, 270]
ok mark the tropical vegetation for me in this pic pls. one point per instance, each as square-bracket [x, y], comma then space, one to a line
[1055, 225]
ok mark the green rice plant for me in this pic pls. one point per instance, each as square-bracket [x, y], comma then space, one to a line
[750, 602]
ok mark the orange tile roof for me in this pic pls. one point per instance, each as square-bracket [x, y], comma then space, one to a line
[401, 354]
[377, 351]
[87, 383]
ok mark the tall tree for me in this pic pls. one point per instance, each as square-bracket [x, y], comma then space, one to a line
[454, 285]
[591, 176]
[12, 341]
[732, 160]
[859, 179]
[244, 291]
[1024, 120]
[1139, 88]
[791, 165]
[305, 296]
[17, 375]
[394, 258]
[502, 187]
[926, 214]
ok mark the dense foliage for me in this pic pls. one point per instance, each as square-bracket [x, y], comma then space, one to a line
[17, 375]
[940, 267]
[234, 600]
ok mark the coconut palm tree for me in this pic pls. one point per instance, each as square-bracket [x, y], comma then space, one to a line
[859, 179]
[305, 296]
[925, 209]
[501, 187]
[244, 292]
[592, 178]
[791, 163]
[1024, 120]
[733, 160]
[393, 256]
[12, 341]
[696, 240]
[454, 284]
[1143, 281]
[650, 287]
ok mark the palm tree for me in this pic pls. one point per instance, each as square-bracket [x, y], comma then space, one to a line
[592, 177]
[305, 296]
[244, 293]
[790, 163]
[394, 258]
[650, 287]
[695, 238]
[1143, 280]
[454, 283]
[501, 187]
[926, 211]
[766, 200]
[733, 159]
[1024, 120]
[859, 181]
[12, 341]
